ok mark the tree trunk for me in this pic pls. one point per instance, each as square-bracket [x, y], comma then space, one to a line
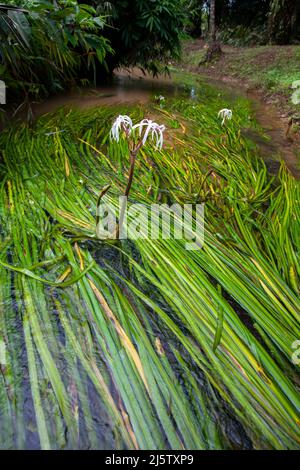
[212, 21]
[281, 21]
[214, 50]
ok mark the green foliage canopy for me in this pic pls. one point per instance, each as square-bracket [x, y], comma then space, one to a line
[44, 44]
[143, 32]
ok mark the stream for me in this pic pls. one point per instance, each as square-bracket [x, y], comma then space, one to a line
[135, 87]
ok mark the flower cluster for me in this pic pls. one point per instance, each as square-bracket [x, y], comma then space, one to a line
[225, 114]
[146, 129]
[121, 124]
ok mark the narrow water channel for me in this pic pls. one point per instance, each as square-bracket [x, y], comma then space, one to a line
[89, 425]
[134, 87]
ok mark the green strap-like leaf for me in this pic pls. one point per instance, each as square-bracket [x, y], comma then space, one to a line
[27, 272]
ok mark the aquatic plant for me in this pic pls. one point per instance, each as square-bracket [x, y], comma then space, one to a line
[225, 114]
[296, 93]
[147, 129]
[161, 345]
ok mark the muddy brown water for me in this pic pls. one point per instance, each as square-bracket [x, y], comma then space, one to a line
[128, 87]
[134, 87]
[280, 145]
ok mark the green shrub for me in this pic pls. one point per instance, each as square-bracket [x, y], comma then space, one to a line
[43, 46]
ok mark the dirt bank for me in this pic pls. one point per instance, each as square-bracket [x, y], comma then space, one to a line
[266, 71]
[264, 74]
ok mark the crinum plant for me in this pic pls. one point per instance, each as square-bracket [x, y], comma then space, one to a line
[136, 136]
[225, 114]
[296, 94]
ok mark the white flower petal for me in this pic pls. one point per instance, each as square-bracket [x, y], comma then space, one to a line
[120, 124]
[225, 114]
[147, 128]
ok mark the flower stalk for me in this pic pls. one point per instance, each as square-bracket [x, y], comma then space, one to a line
[136, 135]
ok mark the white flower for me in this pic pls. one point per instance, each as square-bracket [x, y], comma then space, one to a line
[2, 353]
[296, 84]
[146, 128]
[149, 128]
[225, 114]
[122, 123]
[160, 98]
